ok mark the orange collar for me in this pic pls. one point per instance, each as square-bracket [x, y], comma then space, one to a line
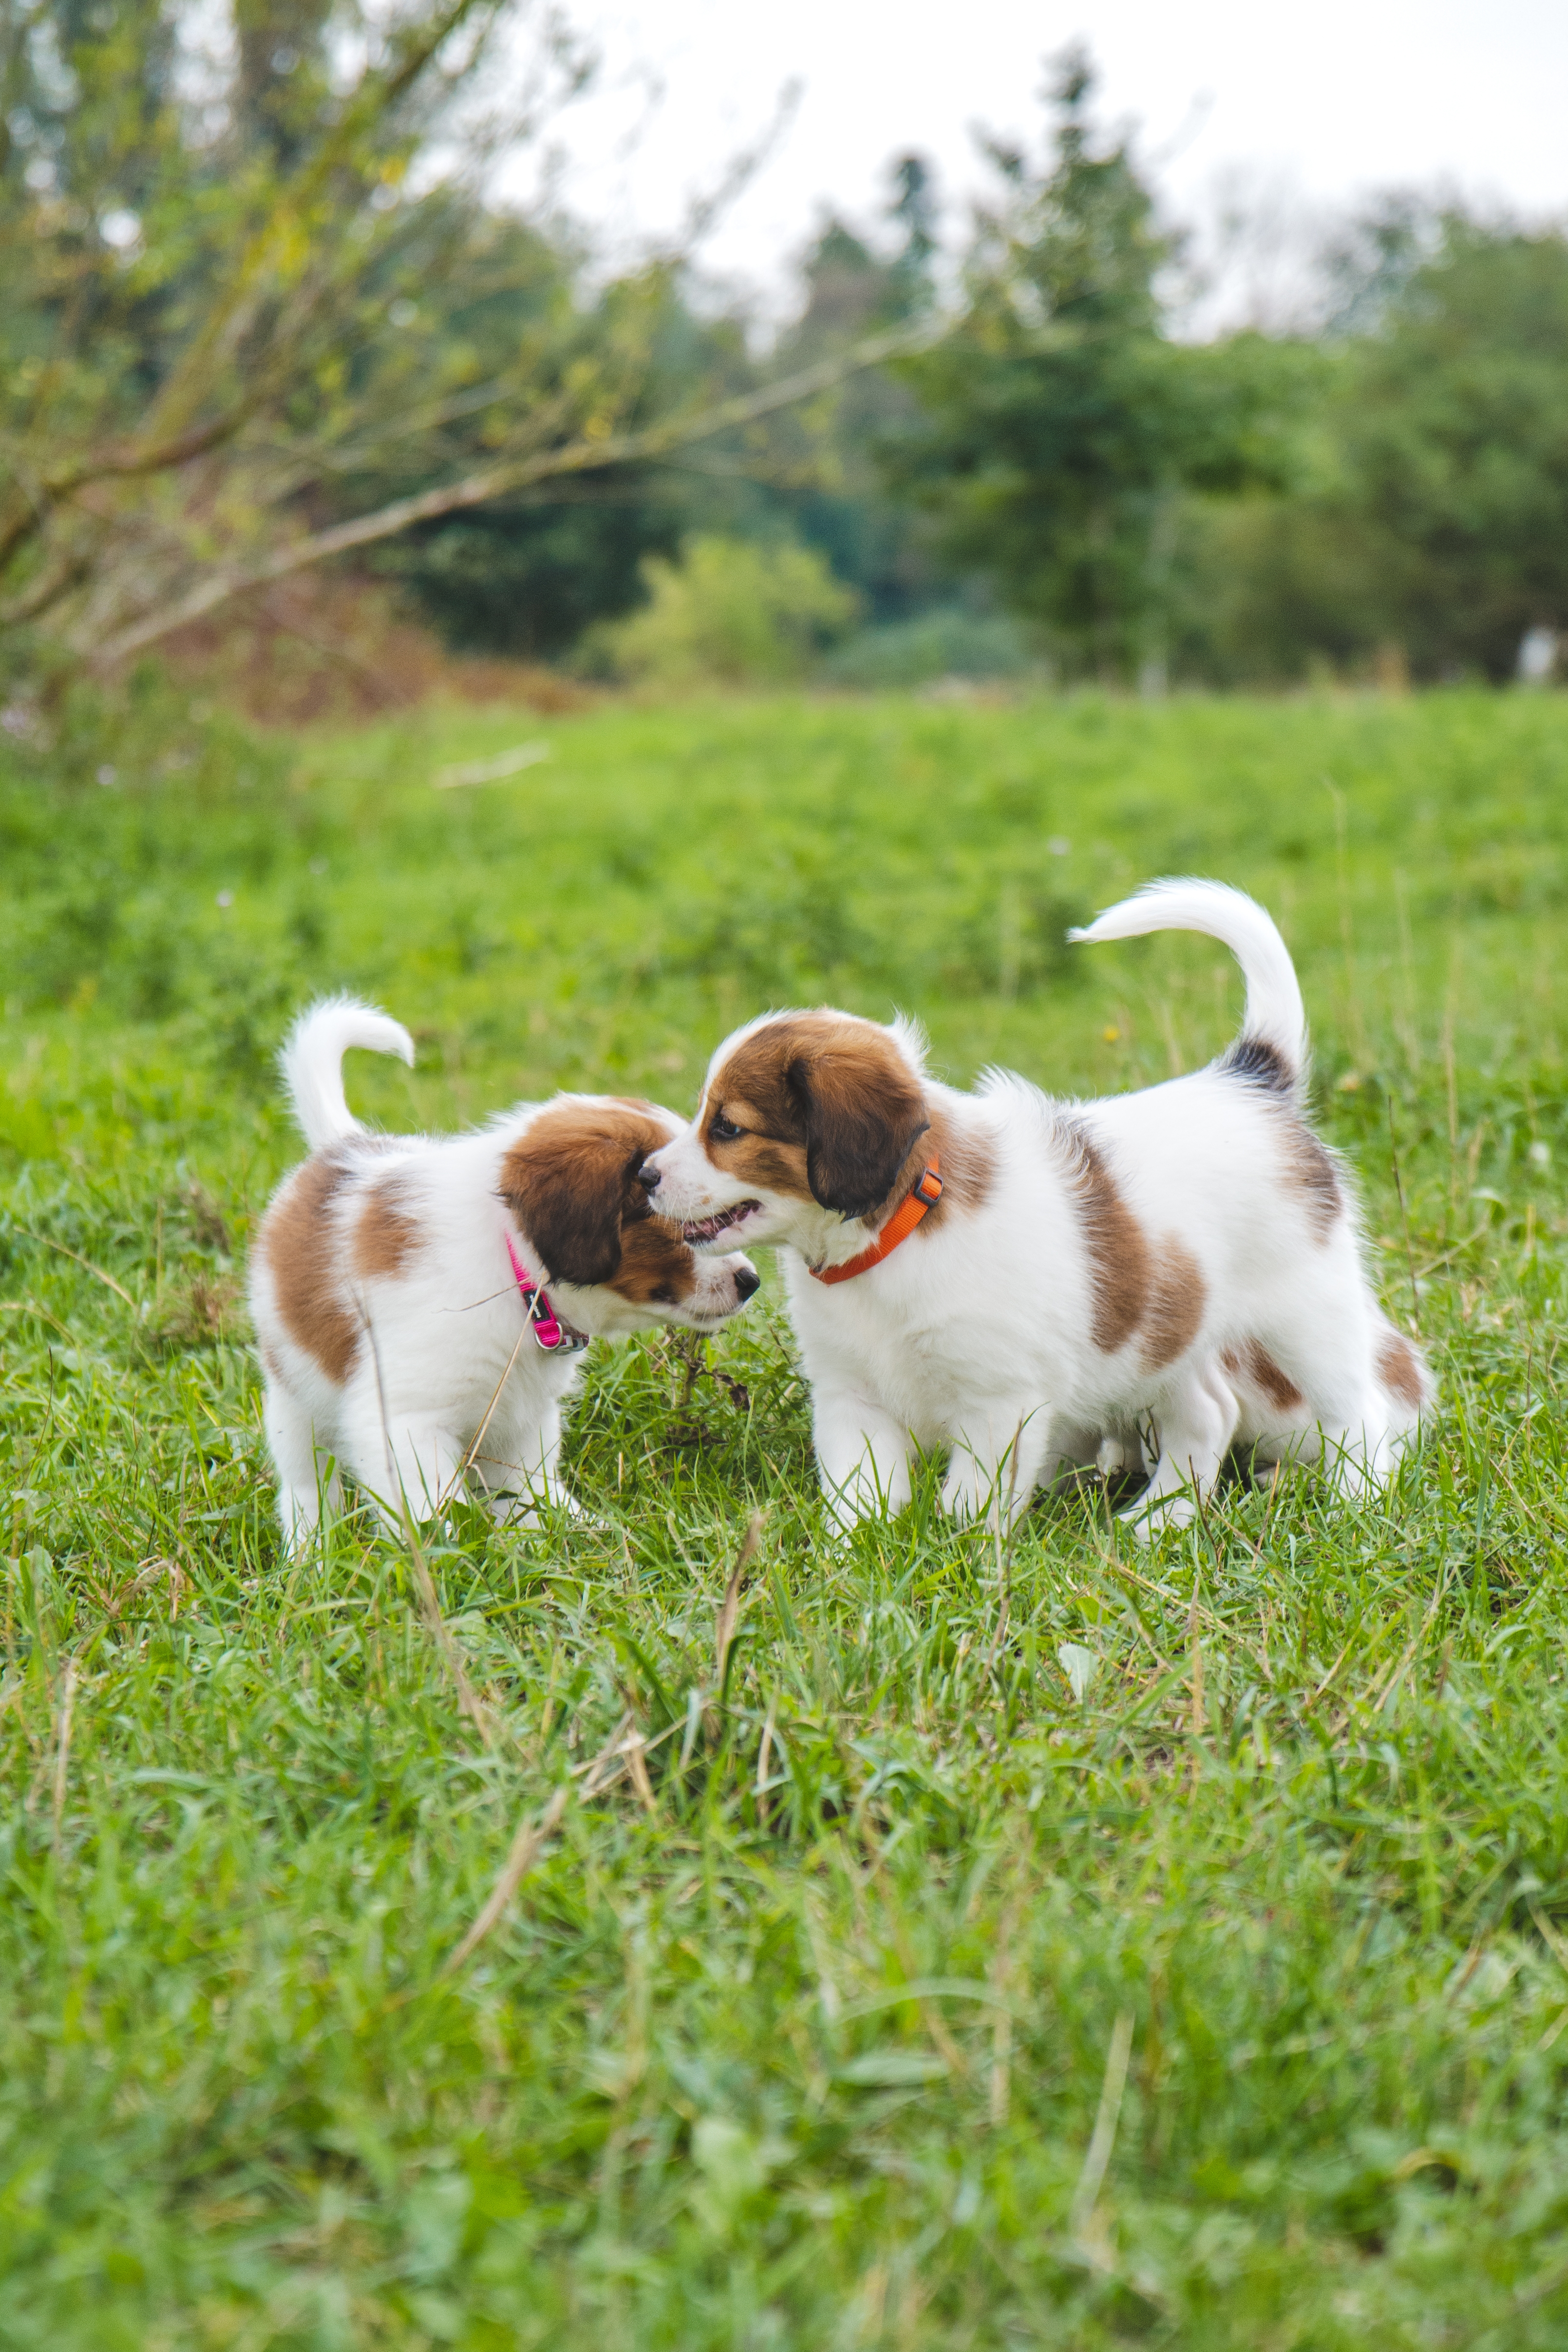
[898, 1228]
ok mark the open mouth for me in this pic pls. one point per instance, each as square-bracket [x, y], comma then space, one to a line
[708, 1229]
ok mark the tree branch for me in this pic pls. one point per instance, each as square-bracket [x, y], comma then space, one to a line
[476, 489]
[374, 100]
[56, 580]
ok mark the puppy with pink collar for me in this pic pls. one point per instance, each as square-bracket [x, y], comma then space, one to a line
[1029, 1283]
[422, 1302]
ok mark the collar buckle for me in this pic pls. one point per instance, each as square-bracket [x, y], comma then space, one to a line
[550, 1332]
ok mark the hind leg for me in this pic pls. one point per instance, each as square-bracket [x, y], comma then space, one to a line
[411, 1461]
[306, 1477]
[1365, 1398]
[1360, 1455]
[1195, 1427]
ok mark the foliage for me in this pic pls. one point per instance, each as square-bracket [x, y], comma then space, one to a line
[202, 251]
[807, 2042]
[1430, 511]
[527, 575]
[826, 475]
[1061, 425]
[256, 314]
[948, 642]
[1456, 447]
[728, 613]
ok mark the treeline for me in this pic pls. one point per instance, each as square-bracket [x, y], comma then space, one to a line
[1385, 497]
[256, 311]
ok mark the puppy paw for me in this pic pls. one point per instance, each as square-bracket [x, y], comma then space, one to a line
[1148, 1521]
[526, 1506]
[963, 1496]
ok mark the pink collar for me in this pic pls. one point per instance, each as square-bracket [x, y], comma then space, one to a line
[547, 1327]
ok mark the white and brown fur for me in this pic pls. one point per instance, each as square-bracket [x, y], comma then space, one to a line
[1186, 1262]
[387, 1311]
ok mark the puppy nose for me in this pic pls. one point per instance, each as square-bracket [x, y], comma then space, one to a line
[747, 1280]
[648, 1176]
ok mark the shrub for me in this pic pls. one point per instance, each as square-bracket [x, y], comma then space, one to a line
[932, 646]
[729, 614]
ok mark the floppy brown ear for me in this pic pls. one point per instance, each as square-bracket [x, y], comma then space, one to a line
[571, 1181]
[862, 1110]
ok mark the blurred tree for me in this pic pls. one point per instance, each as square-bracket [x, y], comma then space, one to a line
[527, 574]
[223, 288]
[1426, 525]
[832, 488]
[1060, 425]
[1454, 421]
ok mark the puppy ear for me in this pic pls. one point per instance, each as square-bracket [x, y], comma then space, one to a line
[862, 1110]
[571, 1181]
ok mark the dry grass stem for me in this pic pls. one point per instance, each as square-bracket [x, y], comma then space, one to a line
[63, 1741]
[1199, 1720]
[526, 1847]
[729, 1607]
[45, 1242]
[468, 1698]
[1104, 2139]
[764, 1751]
[472, 1455]
[635, 1751]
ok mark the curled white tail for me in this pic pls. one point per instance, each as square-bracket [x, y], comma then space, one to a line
[1275, 1018]
[312, 1062]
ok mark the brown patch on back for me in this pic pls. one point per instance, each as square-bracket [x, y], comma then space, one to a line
[572, 1180]
[1176, 1298]
[1120, 1271]
[656, 1267]
[385, 1236]
[1399, 1367]
[1310, 1173]
[1253, 1363]
[301, 1251]
[835, 1089]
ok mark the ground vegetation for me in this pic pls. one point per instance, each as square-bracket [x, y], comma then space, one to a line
[913, 1943]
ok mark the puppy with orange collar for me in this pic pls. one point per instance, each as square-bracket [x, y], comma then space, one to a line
[1032, 1283]
[422, 1302]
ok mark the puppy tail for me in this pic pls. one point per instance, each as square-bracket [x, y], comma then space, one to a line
[1271, 1050]
[311, 1062]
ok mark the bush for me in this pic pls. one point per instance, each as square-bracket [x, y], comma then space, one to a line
[933, 646]
[729, 614]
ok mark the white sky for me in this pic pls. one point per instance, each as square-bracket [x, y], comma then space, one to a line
[1315, 103]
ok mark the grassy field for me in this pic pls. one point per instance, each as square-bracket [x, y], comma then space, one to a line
[1075, 1946]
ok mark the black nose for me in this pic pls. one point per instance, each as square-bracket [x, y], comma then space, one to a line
[747, 1280]
[648, 1177]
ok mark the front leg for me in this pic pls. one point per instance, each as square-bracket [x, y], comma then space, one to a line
[519, 1469]
[413, 1466]
[862, 1457]
[997, 1461]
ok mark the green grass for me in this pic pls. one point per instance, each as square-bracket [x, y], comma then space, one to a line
[816, 2039]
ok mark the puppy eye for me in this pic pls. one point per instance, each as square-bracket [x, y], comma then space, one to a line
[722, 1130]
